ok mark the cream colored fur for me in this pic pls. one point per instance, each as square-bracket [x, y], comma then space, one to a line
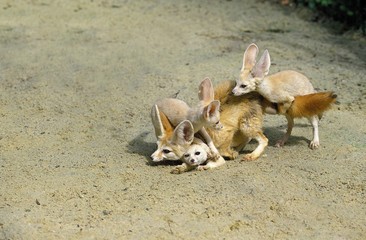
[194, 158]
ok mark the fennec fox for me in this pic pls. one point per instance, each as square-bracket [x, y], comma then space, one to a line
[206, 114]
[196, 155]
[283, 88]
[172, 142]
[242, 119]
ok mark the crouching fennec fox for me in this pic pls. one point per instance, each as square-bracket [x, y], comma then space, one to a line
[283, 88]
[206, 114]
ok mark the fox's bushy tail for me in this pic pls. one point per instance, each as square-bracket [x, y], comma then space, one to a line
[311, 104]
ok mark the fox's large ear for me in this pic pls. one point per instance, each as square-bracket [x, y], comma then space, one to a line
[183, 133]
[261, 69]
[206, 90]
[212, 109]
[155, 118]
[160, 121]
[250, 55]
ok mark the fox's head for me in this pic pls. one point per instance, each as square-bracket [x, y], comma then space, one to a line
[211, 109]
[172, 142]
[211, 114]
[195, 155]
[252, 72]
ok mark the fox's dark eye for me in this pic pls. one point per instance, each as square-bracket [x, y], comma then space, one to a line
[166, 151]
[243, 86]
[217, 122]
[186, 155]
[197, 153]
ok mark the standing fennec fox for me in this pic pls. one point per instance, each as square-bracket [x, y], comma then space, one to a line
[206, 114]
[292, 91]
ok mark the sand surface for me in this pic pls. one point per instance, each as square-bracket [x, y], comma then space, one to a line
[77, 82]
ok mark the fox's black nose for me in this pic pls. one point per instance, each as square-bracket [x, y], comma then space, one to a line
[192, 161]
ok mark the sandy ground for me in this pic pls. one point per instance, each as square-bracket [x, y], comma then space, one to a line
[77, 84]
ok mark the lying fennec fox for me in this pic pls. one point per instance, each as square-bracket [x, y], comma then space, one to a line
[205, 115]
[282, 88]
[196, 155]
[179, 143]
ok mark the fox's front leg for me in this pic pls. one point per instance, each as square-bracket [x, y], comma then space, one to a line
[262, 144]
[212, 164]
[215, 153]
[181, 169]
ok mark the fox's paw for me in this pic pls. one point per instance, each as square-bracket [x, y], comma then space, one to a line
[215, 157]
[231, 156]
[314, 145]
[179, 169]
[249, 157]
[280, 143]
[176, 171]
[202, 167]
[234, 155]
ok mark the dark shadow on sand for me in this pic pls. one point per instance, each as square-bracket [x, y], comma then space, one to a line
[275, 133]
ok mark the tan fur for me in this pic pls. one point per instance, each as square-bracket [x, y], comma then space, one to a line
[242, 119]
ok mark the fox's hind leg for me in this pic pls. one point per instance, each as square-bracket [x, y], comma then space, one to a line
[210, 144]
[290, 125]
[263, 142]
[284, 106]
[314, 144]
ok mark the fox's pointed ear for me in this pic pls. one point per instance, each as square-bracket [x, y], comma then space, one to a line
[212, 109]
[206, 90]
[250, 55]
[167, 126]
[160, 121]
[261, 68]
[155, 118]
[183, 133]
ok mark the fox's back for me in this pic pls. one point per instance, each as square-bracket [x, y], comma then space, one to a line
[176, 110]
[291, 82]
